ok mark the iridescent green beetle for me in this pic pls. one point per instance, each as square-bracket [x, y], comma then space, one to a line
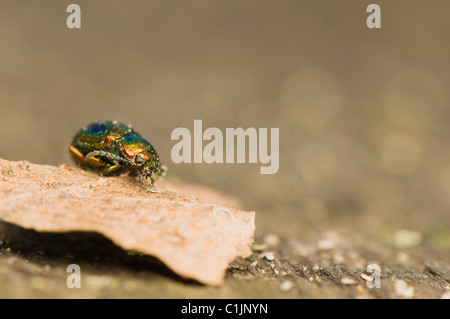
[110, 148]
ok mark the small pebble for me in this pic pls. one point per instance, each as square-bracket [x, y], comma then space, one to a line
[402, 257]
[406, 238]
[286, 286]
[366, 277]
[259, 247]
[325, 244]
[268, 256]
[271, 240]
[402, 289]
[348, 281]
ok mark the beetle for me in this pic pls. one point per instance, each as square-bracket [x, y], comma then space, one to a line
[110, 148]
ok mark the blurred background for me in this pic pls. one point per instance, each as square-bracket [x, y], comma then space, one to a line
[363, 113]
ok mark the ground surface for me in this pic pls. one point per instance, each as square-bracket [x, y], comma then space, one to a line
[329, 264]
[33, 265]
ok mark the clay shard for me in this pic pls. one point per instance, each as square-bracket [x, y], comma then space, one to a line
[194, 237]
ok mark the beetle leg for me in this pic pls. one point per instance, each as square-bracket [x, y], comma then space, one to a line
[151, 179]
[109, 169]
[91, 161]
[76, 153]
[109, 156]
[95, 162]
[141, 178]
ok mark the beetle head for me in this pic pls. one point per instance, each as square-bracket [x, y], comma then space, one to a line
[148, 166]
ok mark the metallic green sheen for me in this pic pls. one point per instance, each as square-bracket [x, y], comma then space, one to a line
[115, 148]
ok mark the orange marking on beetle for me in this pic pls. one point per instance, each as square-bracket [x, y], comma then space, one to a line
[145, 156]
[129, 153]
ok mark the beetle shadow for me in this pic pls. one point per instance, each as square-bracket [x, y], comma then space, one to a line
[92, 249]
